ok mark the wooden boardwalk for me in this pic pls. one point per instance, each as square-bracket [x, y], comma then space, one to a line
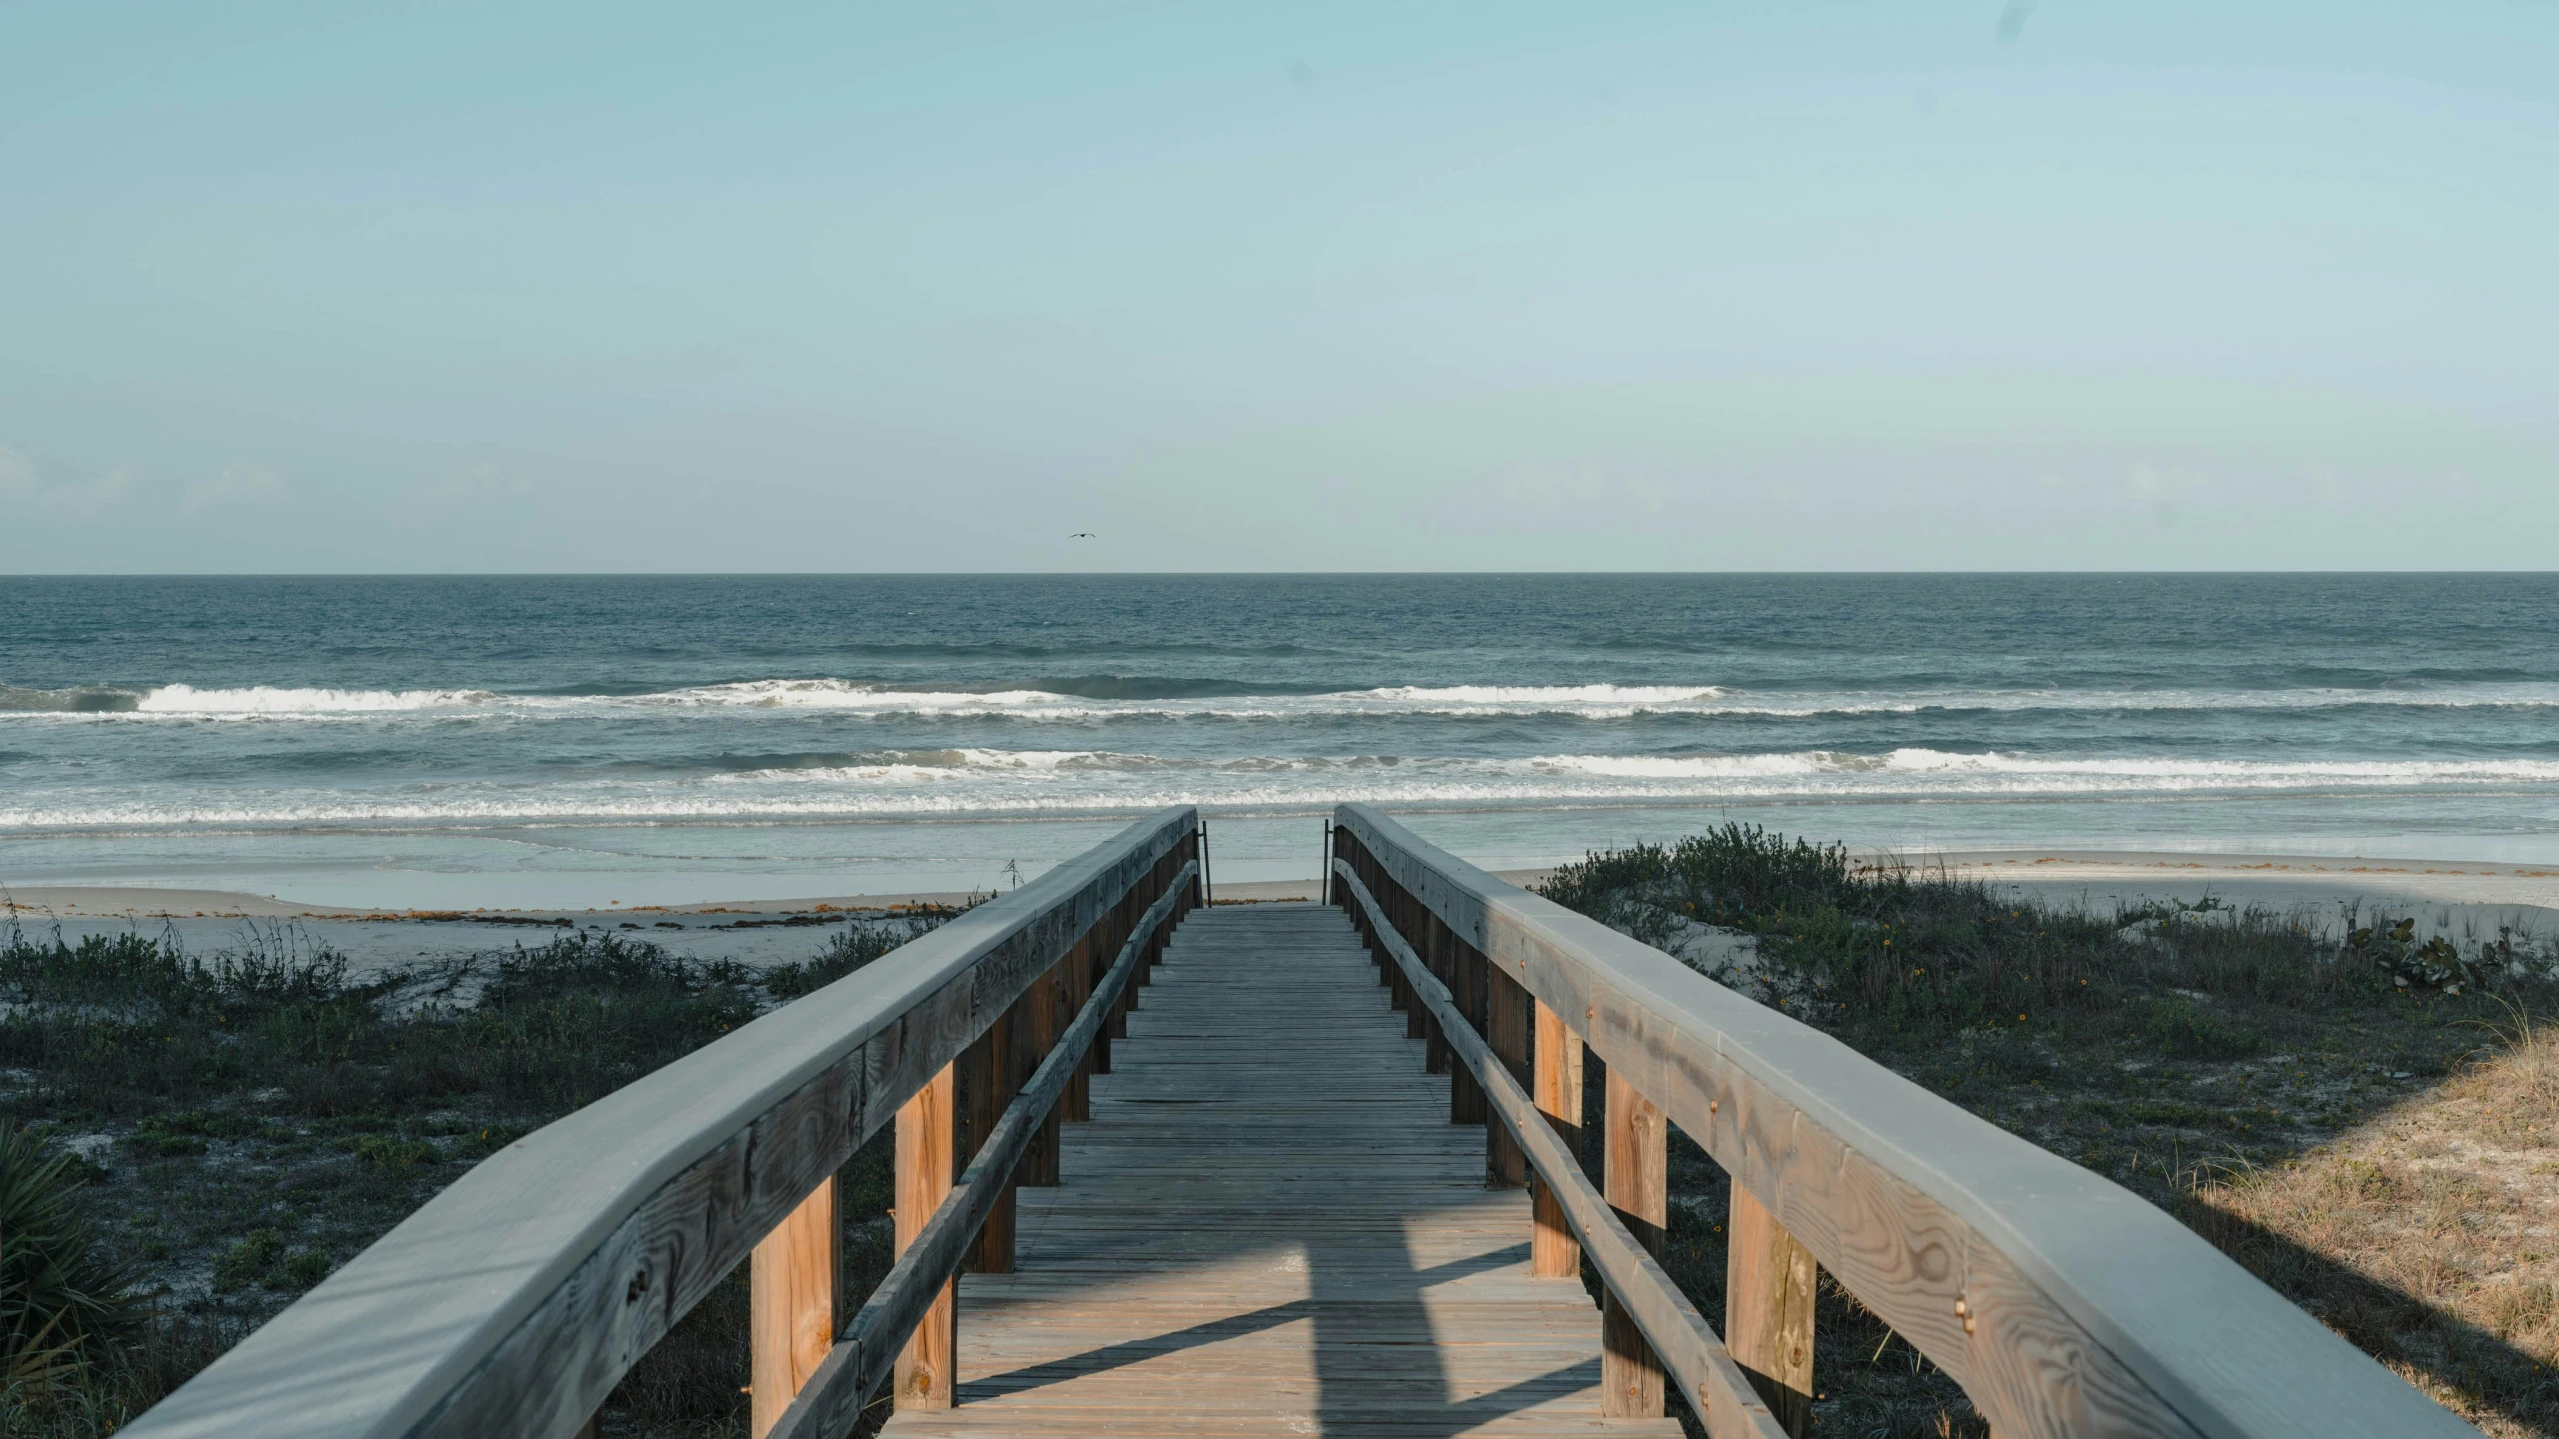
[1269, 1226]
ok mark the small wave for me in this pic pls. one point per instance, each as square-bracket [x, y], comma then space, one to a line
[1114, 698]
[1099, 697]
[892, 784]
[1507, 695]
[80, 699]
[267, 700]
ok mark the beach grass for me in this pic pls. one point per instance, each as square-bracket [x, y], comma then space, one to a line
[2365, 1122]
[206, 1137]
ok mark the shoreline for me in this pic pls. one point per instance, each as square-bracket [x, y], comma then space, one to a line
[2450, 896]
[2132, 874]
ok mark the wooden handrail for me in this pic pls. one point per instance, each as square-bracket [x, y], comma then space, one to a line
[854, 1369]
[2062, 1302]
[1714, 1385]
[511, 1303]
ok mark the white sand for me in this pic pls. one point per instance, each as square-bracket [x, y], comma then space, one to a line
[2464, 900]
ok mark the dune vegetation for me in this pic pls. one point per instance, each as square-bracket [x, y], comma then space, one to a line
[2363, 1119]
[187, 1143]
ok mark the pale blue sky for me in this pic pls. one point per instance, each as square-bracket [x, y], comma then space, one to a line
[1805, 285]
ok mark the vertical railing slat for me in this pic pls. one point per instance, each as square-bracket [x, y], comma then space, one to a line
[1768, 1310]
[791, 1281]
[1553, 1251]
[927, 1154]
[1637, 1186]
[992, 1084]
[1509, 1026]
[1035, 1031]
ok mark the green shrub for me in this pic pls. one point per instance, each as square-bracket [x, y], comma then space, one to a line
[850, 948]
[306, 1267]
[2183, 1029]
[1886, 952]
[1860, 946]
[392, 1152]
[247, 1261]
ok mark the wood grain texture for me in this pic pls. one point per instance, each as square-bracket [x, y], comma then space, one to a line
[1553, 1252]
[1510, 1027]
[988, 1067]
[1466, 966]
[2102, 1314]
[927, 1155]
[1635, 1145]
[1074, 983]
[1238, 1251]
[791, 1309]
[511, 1303]
[1433, 947]
[1035, 1028]
[1768, 1310]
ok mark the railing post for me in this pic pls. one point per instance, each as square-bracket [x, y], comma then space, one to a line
[1432, 945]
[992, 1085]
[1035, 1030]
[927, 1146]
[1768, 1310]
[1508, 1023]
[1385, 897]
[1466, 971]
[791, 1280]
[1637, 1186]
[1076, 1104]
[1408, 923]
[1553, 1252]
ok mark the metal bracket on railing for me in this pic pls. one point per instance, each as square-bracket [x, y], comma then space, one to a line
[832, 1400]
[1709, 1378]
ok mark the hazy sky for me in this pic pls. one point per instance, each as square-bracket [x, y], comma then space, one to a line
[1706, 285]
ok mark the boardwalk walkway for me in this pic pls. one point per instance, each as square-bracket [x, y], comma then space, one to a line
[1270, 1227]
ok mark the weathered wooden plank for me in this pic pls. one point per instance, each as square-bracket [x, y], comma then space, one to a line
[988, 1067]
[1768, 1310]
[1553, 1251]
[927, 1153]
[1510, 1028]
[2125, 1321]
[1636, 1163]
[1035, 1030]
[1466, 968]
[792, 1281]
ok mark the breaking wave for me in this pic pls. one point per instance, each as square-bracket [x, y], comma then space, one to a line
[1107, 698]
[991, 782]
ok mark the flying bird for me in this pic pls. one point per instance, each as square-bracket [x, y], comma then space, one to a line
[1083, 535]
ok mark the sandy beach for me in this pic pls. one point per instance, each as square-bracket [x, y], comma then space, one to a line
[2461, 899]
[2465, 900]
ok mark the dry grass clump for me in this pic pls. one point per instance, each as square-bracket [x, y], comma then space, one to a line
[2429, 1236]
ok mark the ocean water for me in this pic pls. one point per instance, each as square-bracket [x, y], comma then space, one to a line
[582, 740]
